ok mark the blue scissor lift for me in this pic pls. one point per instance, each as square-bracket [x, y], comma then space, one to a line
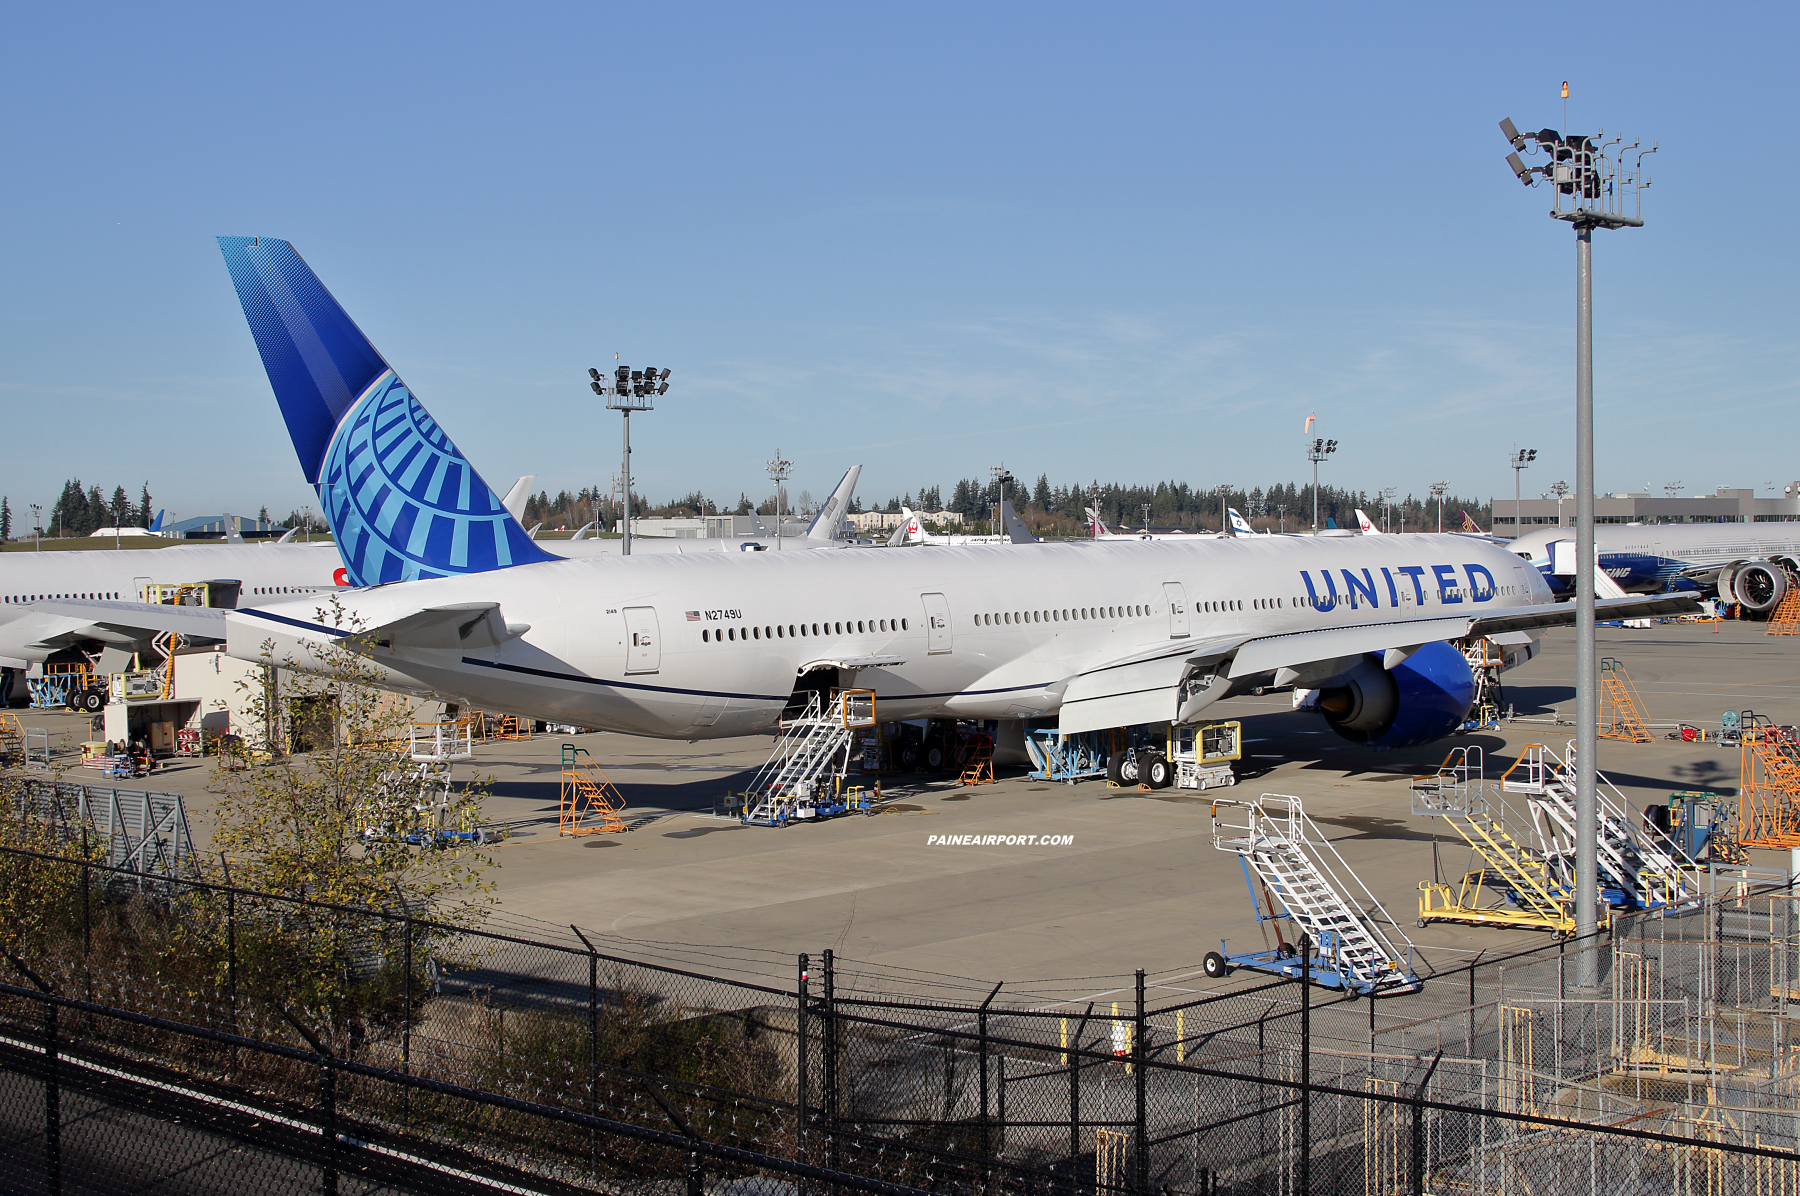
[1294, 876]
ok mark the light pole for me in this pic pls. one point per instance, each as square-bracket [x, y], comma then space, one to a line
[1559, 489]
[779, 469]
[1316, 452]
[1224, 493]
[1438, 490]
[37, 525]
[999, 479]
[1590, 182]
[1520, 460]
[1387, 503]
[631, 390]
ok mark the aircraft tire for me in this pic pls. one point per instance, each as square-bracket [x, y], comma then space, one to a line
[1157, 773]
[92, 700]
[934, 758]
[1115, 768]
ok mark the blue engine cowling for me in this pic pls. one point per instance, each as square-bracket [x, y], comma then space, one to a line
[1425, 697]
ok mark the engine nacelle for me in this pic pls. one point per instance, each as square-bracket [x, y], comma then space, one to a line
[1425, 697]
[1759, 586]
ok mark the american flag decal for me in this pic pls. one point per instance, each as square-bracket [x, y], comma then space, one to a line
[693, 616]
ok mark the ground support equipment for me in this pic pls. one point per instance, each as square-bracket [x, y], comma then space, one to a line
[1080, 757]
[1768, 812]
[803, 778]
[1785, 620]
[1295, 876]
[1640, 866]
[12, 739]
[978, 761]
[1703, 824]
[587, 802]
[1621, 710]
[1514, 885]
[1202, 755]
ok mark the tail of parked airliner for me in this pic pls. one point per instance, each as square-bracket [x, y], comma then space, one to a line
[1366, 524]
[401, 499]
[826, 523]
[1239, 525]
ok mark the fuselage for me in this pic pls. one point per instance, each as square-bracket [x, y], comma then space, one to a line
[1645, 559]
[708, 646]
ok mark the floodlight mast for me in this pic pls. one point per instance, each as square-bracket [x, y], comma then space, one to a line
[631, 390]
[1591, 182]
[1316, 452]
[1520, 460]
[1438, 490]
[779, 469]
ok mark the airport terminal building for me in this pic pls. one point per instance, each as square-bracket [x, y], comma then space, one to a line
[1724, 505]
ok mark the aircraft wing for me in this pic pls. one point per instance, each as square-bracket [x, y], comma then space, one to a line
[1178, 680]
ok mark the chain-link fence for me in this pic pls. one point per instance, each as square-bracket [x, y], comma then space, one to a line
[236, 1040]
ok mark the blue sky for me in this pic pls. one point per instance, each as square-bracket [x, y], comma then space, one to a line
[1124, 242]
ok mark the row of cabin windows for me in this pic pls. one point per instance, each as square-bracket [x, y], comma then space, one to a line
[779, 631]
[1005, 618]
[23, 598]
[284, 589]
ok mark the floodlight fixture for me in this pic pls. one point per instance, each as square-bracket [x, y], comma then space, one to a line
[1316, 452]
[779, 470]
[1438, 490]
[629, 392]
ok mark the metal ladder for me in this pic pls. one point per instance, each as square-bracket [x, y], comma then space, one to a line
[1621, 710]
[1786, 619]
[813, 746]
[1646, 866]
[587, 802]
[1293, 860]
[1474, 809]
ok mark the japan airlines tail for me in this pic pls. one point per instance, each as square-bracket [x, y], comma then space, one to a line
[1366, 524]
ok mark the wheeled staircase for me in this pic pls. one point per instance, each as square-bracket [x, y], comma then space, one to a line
[1643, 866]
[1525, 890]
[813, 752]
[1293, 861]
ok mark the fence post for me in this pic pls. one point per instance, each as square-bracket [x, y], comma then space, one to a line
[1305, 977]
[801, 1063]
[1075, 1097]
[328, 1166]
[1416, 1163]
[230, 945]
[981, 1063]
[52, 1085]
[831, 1060]
[1138, 1055]
[594, 1052]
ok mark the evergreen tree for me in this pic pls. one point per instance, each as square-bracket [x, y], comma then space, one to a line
[143, 511]
[5, 519]
[1040, 493]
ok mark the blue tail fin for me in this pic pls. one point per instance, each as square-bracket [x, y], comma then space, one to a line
[401, 500]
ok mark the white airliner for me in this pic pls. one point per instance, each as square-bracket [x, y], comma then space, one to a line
[914, 531]
[1749, 563]
[1090, 634]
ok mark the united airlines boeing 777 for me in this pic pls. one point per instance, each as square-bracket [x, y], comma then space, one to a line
[455, 600]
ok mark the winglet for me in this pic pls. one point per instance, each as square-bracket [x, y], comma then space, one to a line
[401, 499]
[825, 524]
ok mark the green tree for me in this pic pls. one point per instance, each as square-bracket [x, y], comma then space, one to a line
[341, 823]
[143, 509]
[5, 520]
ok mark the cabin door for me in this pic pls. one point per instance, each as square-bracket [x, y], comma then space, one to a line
[642, 653]
[1178, 611]
[937, 623]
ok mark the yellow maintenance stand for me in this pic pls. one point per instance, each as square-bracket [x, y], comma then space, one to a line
[1514, 887]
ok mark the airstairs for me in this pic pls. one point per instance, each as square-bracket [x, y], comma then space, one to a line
[1514, 886]
[1640, 866]
[803, 774]
[1294, 875]
[587, 802]
[1786, 619]
[1768, 791]
[12, 739]
[1621, 710]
